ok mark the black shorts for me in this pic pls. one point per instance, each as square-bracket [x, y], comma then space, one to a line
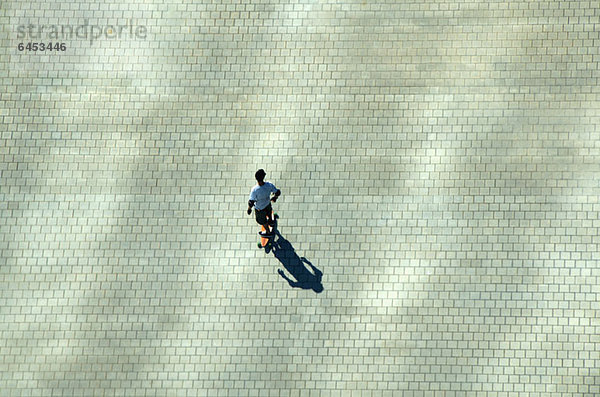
[261, 215]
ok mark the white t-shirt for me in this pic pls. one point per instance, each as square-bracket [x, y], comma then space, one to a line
[262, 195]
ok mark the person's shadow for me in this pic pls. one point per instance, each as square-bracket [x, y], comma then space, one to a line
[295, 265]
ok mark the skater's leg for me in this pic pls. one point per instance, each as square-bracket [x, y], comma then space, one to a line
[270, 215]
[263, 218]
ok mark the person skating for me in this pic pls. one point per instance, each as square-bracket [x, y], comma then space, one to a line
[260, 199]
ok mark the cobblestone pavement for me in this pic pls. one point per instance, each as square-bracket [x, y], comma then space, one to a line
[439, 166]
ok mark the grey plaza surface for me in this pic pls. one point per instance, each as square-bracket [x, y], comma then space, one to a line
[439, 166]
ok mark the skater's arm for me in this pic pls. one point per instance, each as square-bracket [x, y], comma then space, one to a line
[250, 205]
[276, 195]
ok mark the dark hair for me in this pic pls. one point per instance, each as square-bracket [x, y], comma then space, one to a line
[260, 175]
